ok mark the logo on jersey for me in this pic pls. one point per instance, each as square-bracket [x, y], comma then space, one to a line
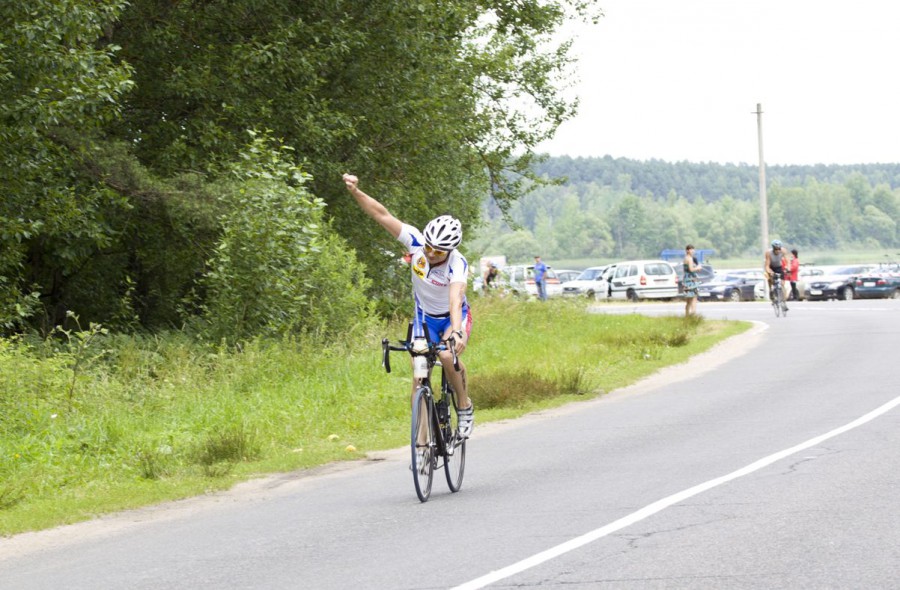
[419, 267]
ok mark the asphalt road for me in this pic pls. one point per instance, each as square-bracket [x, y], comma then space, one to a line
[770, 462]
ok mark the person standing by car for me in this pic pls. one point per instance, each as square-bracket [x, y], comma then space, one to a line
[690, 281]
[439, 277]
[793, 274]
[490, 277]
[540, 280]
[774, 267]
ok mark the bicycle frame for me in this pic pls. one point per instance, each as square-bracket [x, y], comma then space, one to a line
[431, 355]
[778, 296]
[433, 420]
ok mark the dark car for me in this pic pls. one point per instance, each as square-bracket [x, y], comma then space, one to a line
[728, 288]
[704, 275]
[873, 285]
[837, 284]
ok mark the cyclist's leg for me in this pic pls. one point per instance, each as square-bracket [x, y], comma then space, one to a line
[440, 329]
[421, 421]
[457, 379]
[422, 450]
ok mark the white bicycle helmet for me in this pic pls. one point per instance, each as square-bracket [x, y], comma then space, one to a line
[443, 233]
[776, 243]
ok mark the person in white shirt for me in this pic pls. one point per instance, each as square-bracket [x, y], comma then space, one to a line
[439, 278]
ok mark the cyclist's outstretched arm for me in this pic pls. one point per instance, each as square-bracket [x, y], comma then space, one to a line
[373, 208]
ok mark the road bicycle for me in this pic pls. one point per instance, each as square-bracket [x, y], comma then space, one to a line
[778, 303]
[434, 432]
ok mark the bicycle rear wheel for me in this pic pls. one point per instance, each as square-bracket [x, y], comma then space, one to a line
[454, 450]
[422, 443]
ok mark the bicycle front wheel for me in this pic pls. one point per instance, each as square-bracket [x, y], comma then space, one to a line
[422, 442]
[454, 449]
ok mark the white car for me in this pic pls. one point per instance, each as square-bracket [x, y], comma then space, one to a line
[567, 275]
[520, 279]
[590, 283]
[806, 275]
[644, 279]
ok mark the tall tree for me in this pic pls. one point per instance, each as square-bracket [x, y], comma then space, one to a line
[433, 105]
[58, 87]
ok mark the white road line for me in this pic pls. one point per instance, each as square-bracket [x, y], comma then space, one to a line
[661, 505]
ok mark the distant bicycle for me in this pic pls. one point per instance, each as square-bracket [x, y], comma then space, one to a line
[778, 303]
[434, 432]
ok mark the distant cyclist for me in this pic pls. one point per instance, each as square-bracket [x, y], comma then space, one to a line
[439, 276]
[775, 266]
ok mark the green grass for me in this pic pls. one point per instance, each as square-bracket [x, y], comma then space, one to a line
[127, 422]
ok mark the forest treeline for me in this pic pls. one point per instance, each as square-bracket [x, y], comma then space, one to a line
[178, 164]
[621, 208]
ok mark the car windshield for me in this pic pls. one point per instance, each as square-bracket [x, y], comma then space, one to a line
[850, 270]
[590, 274]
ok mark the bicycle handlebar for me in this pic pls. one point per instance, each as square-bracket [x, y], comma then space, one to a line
[433, 350]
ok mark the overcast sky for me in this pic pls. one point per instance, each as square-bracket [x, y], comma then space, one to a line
[679, 80]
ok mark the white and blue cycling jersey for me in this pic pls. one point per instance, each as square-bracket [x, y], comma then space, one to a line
[430, 284]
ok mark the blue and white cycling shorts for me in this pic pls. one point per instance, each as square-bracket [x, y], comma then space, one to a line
[439, 325]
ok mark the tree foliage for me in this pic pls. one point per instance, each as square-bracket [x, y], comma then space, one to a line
[57, 89]
[645, 207]
[277, 265]
[124, 124]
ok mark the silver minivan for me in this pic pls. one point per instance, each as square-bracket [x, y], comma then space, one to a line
[644, 279]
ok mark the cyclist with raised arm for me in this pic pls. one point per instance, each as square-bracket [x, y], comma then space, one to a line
[439, 277]
[774, 267]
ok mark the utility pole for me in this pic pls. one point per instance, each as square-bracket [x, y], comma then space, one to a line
[763, 205]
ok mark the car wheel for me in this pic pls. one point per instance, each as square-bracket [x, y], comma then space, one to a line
[632, 295]
[847, 293]
[590, 294]
[895, 294]
[735, 295]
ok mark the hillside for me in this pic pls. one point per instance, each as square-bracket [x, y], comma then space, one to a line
[708, 180]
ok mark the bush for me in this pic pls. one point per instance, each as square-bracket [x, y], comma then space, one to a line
[278, 267]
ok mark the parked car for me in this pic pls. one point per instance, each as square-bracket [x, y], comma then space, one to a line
[882, 284]
[644, 279]
[590, 283]
[607, 276]
[806, 275]
[838, 284]
[704, 275]
[567, 275]
[519, 280]
[729, 288]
